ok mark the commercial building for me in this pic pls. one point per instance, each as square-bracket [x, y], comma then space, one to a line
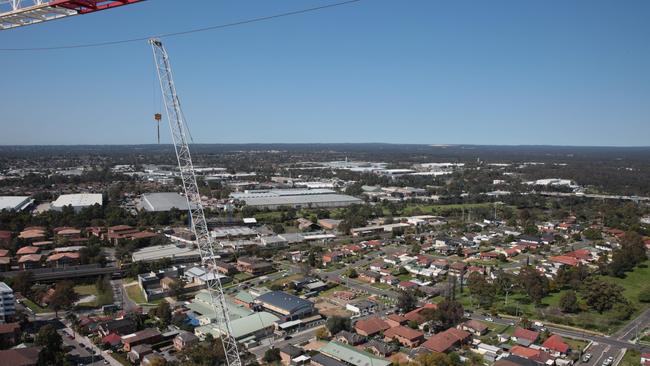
[288, 306]
[7, 303]
[178, 254]
[77, 201]
[165, 201]
[15, 203]
[352, 356]
[296, 198]
[303, 201]
[253, 326]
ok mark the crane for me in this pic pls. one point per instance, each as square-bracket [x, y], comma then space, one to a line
[198, 222]
[18, 13]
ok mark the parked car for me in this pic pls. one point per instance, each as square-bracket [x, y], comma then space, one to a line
[586, 357]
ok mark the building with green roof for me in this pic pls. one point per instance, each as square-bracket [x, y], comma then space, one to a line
[351, 355]
[253, 326]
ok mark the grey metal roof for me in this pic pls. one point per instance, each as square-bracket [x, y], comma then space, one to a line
[302, 200]
[285, 301]
[163, 201]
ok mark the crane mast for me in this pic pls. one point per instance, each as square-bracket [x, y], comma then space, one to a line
[198, 222]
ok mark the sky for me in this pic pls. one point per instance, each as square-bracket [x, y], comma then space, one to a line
[503, 72]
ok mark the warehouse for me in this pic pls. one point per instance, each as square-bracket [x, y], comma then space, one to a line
[175, 253]
[251, 327]
[15, 203]
[164, 201]
[288, 306]
[302, 201]
[77, 201]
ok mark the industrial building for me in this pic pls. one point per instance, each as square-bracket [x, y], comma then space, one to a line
[7, 303]
[15, 203]
[77, 201]
[178, 254]
[248, 328]
[303, 201]
[164, 201]
[288, 306]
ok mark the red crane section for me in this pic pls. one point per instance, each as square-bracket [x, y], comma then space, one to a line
[18, 13]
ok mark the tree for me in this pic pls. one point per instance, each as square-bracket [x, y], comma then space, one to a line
[163, 312]
[322, 333]
[601, 295]
[23, 282]
[336, 324]
[436, 359]
[481, 289]
[64, 296]
[352, 273]
[631, 254]
[207, 353]
[534, 284]
[271, 355]
[406, 300]
[569, 302]
[176, 287]
[52, 352]
[447, 314]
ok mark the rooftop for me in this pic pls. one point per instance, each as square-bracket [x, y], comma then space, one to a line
[78, 200]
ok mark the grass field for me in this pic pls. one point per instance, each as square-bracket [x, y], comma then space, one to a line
[34, 307]
[633, 283]
[135, 293]
[101, 299]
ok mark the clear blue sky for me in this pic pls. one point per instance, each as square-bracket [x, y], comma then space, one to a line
[403, 71]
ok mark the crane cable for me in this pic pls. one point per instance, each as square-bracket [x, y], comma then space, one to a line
[181, 33]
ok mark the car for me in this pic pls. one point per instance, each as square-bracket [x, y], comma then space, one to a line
[586, 357]
[489, 319]
[106, 362]
[287, 337]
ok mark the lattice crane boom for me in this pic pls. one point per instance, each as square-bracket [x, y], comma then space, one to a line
[199, 224]
[18, 13]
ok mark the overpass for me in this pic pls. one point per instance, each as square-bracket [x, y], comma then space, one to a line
[55, 274]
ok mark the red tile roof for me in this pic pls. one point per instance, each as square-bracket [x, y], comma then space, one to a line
[28, 250]
[30, 258]
[524, 352]
[66, 255]
[525, 334]
[563, 259]
[443, 341]
[112, 339]
[20, 356]
[404, 332]
[556, 343]
[371, 325]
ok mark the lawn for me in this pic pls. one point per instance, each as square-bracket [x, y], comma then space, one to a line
[34, 307]
[633, 283]
[101, 299]
[411, 209]
[333, 290]
[134, 292]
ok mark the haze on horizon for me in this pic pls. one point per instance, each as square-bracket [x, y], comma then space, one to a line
[514, 73]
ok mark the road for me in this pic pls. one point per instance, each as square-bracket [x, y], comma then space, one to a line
[635, 327]
[615, 343]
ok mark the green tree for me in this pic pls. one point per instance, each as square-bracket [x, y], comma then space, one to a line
[271, 355]
[480, 289]
[352, 273]
[64, 296]
[336, 324]
[644, 295]
[163, 312]
[23, 282]
[447, 314]
[406, 300]
[533, 283]
[569, 302]
[52, 353]
[602, 295]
